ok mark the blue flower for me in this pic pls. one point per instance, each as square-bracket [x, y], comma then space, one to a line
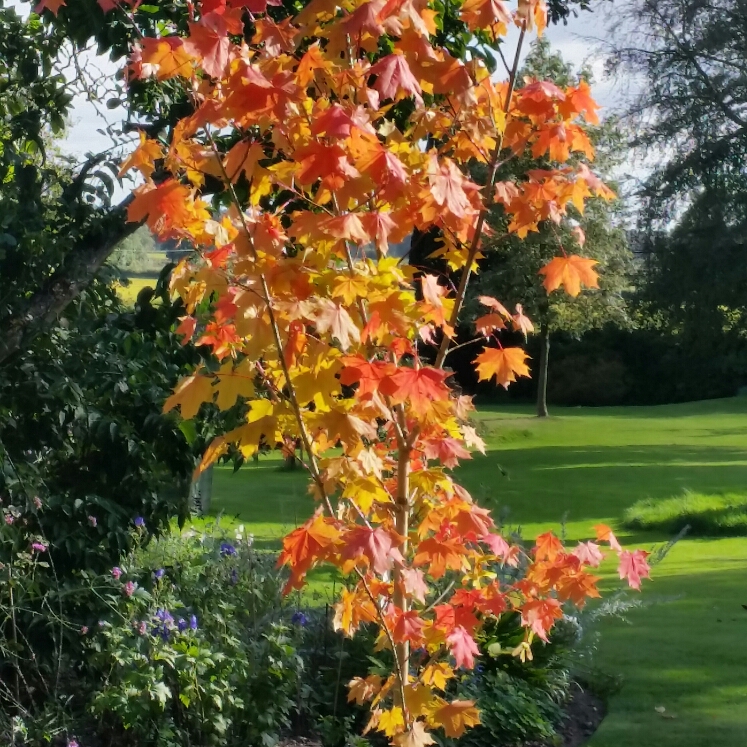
[159, 573]
[299, 619]
[226, 549]
[193, 622]
[139, 522]
[182, 624]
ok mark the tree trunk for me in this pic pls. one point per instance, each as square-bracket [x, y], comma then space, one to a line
[201, 492]
[542, 382]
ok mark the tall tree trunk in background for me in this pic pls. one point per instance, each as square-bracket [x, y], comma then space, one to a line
[542, 382]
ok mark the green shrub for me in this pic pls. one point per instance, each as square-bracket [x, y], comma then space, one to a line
[705, 515]
[197, 648]
[187, 641]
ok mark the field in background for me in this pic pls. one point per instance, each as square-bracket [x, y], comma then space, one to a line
[128, 293]
[683, 655]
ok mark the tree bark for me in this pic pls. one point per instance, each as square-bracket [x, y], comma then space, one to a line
[68, 281]
[542, 381]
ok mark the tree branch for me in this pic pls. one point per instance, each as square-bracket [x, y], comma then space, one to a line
[68, 281]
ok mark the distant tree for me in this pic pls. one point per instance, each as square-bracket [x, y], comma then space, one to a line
[690, 120]
[511, 267]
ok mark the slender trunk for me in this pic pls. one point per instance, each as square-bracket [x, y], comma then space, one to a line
[402, 518]
[542, 382]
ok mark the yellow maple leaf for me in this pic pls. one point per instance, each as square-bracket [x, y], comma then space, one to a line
[416, 736]
[391, 722]
[190, 393]
[234, 382]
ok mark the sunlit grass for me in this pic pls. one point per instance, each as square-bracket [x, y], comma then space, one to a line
[703, 515]
[684, 650]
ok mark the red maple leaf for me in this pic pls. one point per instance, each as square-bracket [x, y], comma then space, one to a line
[51, 5]
[605, 534]
[634, 567]
[407, 627]
[463, 647]
[589, 554]
[394, 76]
[377, 546]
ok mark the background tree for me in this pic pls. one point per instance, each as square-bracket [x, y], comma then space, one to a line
[512, 264]
[689, 121]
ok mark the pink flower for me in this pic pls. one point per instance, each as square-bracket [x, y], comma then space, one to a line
[9, 519]
[38, 546]
[92, 521]
[142, 628]
[116, 572]
[73, 743]
[129, 589]
[37, 502]
[84, 630]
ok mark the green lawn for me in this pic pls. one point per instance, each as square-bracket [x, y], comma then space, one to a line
[686, 651]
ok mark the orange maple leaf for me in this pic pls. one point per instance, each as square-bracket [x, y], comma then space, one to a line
[503, 363]
[420, 386]
[455, 717]
[307, 545]
[483, 14]
[143, 157]
[570, 272]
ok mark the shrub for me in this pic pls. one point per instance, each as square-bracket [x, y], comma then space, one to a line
[703, 515]
[188, 640]
[198, 647]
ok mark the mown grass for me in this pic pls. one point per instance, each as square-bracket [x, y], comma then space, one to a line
[684, 650]
[701, 515]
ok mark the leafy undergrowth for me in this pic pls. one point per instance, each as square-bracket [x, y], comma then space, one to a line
[683, 650]
[703, 515]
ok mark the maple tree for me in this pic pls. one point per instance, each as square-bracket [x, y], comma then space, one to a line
[314, 141]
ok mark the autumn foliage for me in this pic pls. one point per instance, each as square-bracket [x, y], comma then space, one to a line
[324, 138]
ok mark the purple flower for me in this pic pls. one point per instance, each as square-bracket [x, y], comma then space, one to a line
[193, 622]
[93, 521]
[139, 522]
[182, 625]
[159, 573]
[234, 577]
[299, 619]
[38, 546]
[129, 589]
[73, 743]
[227, 549]
[116, 572]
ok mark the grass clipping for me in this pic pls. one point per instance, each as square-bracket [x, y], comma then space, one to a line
[720, 515]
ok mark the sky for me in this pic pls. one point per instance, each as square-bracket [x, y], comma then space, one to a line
[581, 41]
